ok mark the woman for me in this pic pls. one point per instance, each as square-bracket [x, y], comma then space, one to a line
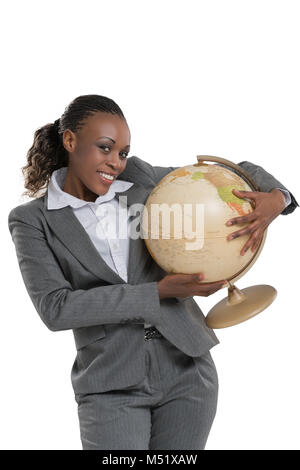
[143, 376]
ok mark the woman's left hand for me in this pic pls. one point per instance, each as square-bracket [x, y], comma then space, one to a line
[267, 206]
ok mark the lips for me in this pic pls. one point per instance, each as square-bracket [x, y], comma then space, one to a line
[105, 180]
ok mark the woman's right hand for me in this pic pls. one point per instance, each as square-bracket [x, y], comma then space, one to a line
[186, 285]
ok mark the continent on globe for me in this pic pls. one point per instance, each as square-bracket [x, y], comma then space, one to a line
[204, 190]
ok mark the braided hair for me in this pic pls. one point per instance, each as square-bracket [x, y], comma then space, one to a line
[47, 152]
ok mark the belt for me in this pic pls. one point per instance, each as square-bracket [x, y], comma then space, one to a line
[152, 332]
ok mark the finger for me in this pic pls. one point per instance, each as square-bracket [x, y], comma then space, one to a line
[254, 247]
[212, 291]
[211, 288]
[246, 247]
[213, 285]
[187, 277]
[251, 242]
[198, 277]
[256, 244]
[249, 196]
[205, 293]
[243, 219]
[242, 194]
[240, 233]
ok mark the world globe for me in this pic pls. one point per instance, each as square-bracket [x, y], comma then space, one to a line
[184, 229]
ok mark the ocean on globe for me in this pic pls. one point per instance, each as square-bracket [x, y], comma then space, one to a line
[196, 241]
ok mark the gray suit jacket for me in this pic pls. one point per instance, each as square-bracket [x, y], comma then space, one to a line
[71, 287]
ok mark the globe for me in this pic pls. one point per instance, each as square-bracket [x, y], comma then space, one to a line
[184, 229]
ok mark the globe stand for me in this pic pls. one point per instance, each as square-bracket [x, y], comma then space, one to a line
[240, 305]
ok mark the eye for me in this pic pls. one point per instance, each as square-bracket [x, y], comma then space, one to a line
[103, 147]
[107, 147]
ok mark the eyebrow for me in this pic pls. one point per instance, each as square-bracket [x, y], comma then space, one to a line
[104, 136]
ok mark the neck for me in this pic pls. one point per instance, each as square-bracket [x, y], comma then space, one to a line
[74, 186]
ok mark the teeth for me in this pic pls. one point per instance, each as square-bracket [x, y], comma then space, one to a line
[110, 177]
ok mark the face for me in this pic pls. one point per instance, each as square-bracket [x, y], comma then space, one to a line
[100, 145]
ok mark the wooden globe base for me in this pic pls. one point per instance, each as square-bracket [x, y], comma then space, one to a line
[240, 305]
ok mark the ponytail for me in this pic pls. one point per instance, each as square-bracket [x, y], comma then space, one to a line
[46, 154]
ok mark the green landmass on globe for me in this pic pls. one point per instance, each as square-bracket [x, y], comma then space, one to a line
[184, 251]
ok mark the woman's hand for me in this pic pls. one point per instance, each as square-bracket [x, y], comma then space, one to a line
[185, 285]
[267, 206]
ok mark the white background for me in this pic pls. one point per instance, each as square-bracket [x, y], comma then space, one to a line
[194, 77]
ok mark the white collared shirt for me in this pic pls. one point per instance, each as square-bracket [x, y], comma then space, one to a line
[100, 219]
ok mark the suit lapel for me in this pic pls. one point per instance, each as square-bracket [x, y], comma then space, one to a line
[71, 233]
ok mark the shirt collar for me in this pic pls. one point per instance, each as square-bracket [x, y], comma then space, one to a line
[57, 198]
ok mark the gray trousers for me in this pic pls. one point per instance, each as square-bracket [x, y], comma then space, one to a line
[172, 408]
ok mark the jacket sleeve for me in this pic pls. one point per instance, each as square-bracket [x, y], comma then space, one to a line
[58, 304]
[266, 182]
[262, 178]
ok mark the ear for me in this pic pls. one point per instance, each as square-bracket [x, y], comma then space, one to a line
[69, 140]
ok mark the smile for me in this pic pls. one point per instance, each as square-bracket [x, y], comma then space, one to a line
[105, 177]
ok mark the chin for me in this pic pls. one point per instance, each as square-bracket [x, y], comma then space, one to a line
[101, 191]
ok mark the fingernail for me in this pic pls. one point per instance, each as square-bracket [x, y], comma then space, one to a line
[228, 223]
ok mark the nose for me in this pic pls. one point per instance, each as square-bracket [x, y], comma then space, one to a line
[114, 161]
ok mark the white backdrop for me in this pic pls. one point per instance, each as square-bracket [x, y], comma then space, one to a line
[195, 77]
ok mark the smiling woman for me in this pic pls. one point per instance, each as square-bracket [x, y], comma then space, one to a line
[77, 273]
[143, 376]
[73, 141]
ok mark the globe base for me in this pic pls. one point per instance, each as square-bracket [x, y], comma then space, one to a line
[240, 305]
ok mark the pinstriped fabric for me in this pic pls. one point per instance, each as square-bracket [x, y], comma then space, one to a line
[172, 407]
